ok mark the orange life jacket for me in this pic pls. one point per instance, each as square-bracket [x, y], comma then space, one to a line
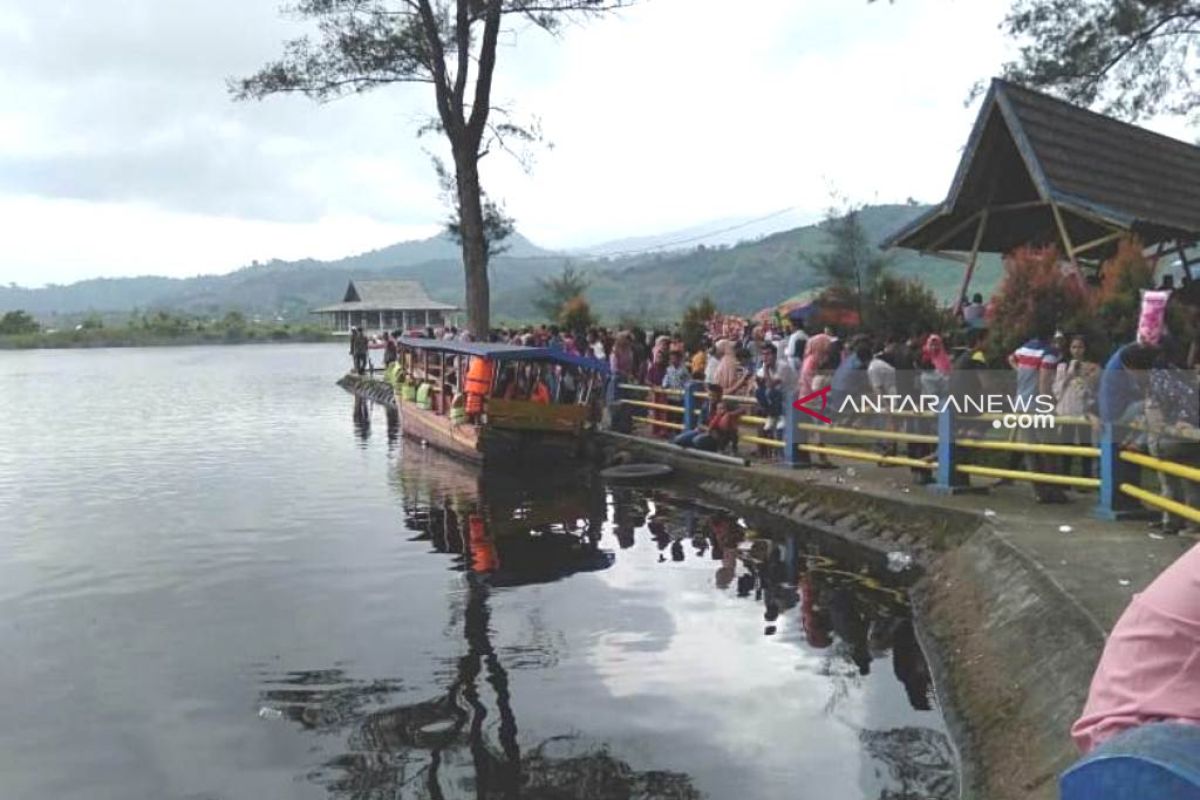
[479, 377]
[540, 393]
[483, 550]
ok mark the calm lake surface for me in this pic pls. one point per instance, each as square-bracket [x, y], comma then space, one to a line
[221, 577]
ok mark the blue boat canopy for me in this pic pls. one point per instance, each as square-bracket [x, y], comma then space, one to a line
[498, 352]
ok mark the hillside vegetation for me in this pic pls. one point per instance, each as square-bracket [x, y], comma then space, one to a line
[741, 278]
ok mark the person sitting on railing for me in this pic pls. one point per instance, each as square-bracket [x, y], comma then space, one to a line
[718, 427]
[768, 391]
[1148, 673]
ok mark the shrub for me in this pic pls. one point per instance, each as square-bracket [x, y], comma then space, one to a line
[1036, 295]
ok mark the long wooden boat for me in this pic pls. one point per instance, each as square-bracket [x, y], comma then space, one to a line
[511, 427]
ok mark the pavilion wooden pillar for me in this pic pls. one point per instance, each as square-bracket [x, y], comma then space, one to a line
[1183, 259]
[970, 270]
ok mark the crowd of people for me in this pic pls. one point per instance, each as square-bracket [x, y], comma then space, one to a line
[1147, 387]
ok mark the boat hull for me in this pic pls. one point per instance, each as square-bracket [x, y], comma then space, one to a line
[488, 444]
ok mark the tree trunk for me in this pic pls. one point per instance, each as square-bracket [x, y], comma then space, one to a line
[474, 247]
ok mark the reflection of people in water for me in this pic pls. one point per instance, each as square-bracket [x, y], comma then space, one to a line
[725, 535]
[362, 418]
[393, 427]
[850, 624]
[908, 662]
[813, 615]
[484, 557]
[624, 516]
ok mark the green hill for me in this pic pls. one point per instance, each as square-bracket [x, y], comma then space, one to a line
[741, 278]
[745, 277]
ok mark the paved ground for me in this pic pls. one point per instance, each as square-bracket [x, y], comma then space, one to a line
[1100, 564]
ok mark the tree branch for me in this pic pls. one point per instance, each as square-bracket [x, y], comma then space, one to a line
[451, 118]
[463, 34]
[487, 67]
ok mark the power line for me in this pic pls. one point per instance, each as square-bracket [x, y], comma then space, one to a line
[675, 243]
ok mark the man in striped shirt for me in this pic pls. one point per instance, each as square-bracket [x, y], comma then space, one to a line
[1036, 363]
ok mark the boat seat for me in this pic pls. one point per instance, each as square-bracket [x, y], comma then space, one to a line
[1160, 761]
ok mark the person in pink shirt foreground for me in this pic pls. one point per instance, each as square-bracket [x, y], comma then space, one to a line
[1150, 668]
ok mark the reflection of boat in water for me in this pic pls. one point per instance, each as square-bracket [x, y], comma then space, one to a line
[446, 745]
[488, 402]
[499, 527]
[476, 730]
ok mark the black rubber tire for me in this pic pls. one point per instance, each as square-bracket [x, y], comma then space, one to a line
[636, 472]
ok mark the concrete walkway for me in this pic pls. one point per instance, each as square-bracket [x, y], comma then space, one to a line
[1099, 564]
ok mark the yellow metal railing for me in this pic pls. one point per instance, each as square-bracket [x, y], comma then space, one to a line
[1033, 477]
[1158, 501]
[1169, 467]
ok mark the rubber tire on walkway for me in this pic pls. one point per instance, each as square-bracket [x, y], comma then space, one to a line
[636, 472]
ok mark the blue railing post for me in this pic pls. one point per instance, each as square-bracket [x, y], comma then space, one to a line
[689, 404]
[947, 479]
[610, 400]
[790, 431]
[1113, 503]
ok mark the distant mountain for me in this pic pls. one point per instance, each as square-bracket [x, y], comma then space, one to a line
[657, 285]
[289, 288]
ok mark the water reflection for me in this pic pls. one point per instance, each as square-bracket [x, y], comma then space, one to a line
[362, 419]
[461, 736]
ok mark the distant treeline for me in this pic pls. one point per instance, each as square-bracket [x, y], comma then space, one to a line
[19, 331]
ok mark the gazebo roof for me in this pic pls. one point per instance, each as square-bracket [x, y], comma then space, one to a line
[1031, 155]
[387, 296]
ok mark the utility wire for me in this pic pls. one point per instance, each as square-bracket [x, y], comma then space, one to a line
[651, 249]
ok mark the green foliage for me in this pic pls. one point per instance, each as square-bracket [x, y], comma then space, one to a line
[1119, 300]
[92, 322]
[1135, 56]
[497, 225]
[852, 262]
[695, 320]
[576, 316]
[15, 323]
[1035, 298]
[162, 328]
[555, 291]
[903, 307]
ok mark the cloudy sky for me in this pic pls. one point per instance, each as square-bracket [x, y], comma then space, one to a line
[122, 154]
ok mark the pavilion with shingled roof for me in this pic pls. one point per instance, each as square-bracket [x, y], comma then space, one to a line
[385, 305]
[1037, 170]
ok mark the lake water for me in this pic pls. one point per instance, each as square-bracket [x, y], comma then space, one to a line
[221, 577]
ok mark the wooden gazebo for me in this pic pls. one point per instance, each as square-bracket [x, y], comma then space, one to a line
[382, 305]
[1037, 170]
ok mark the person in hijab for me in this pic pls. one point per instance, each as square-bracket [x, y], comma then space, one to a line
[935, 353]
[815, 353]
[621, 362]
[728, 371]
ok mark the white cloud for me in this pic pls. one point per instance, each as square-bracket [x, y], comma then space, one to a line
[59, 241]
[114, 117]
